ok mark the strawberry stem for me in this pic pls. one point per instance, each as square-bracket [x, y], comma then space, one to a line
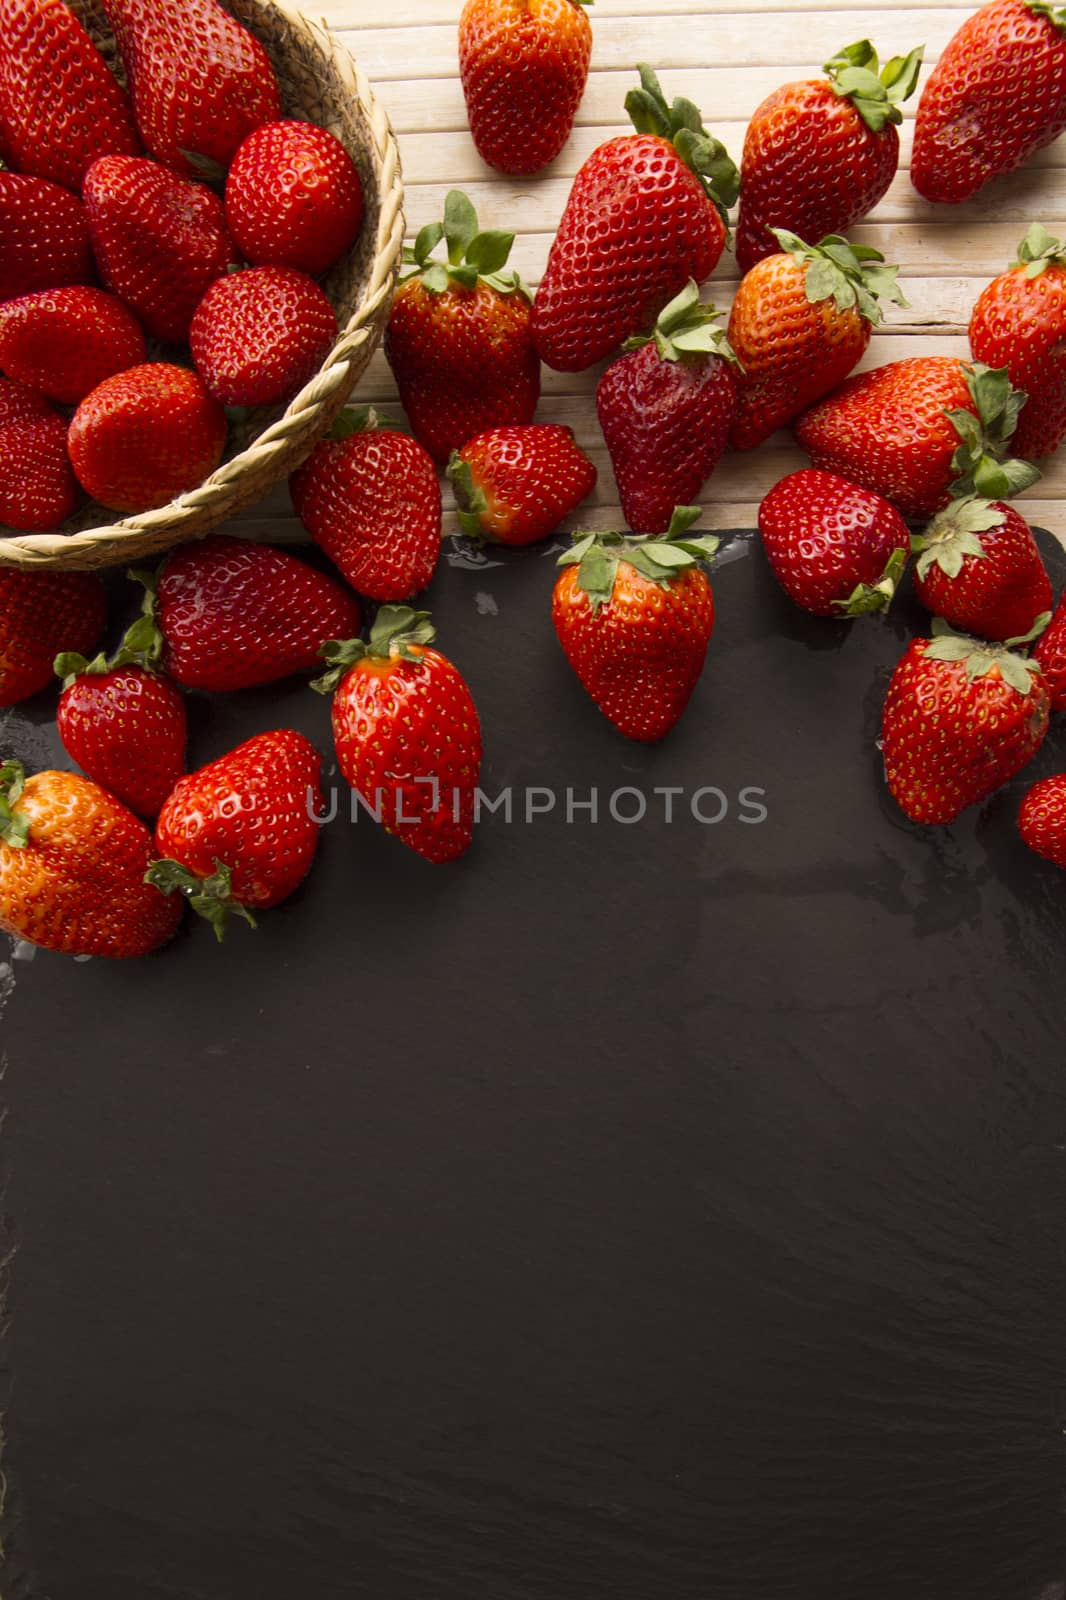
[681, 123]
[472, 257]
[980, 464]
[877, 94]
[211, 898]
[14, 830]
[848, 274]
[659, 557]
[687, 327]
[1038, 251]
[470, 501]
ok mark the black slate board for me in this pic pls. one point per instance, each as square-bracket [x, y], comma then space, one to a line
[629, 1212]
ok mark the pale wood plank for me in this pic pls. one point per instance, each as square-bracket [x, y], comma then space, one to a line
[345, 15]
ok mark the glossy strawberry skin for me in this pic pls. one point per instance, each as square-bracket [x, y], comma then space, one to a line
[636, 227]
[824, 537]
[294, 197]
[531, 477]
[811, 165]
[234, 614]
[372, 502]
[63, 342]
[258, 336]
[42, 614]
[998, 596]
[996, 95]
[1042, 819]
[37, 487]
[523, 65]
[126, 729]
[44, 236]
[666, 425]
[1049, 652]
[1020, 323]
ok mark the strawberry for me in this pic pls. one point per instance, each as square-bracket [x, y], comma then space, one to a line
[72, 865]
[44, 236]
[146, 435]
[64, 342]
[800, 321]
[406, 732]
[665, 408]
[523, 65]
[1042, 819]
[294, 197]
[60, 105]
[240, 834]
[159, 240]
[37, 488]
[647, 212]
[819, 154]
[979, 568]
[836, 549]
[634, 617]
[960, 718]
[515, 485]
[920, 431]
[200, 81]
[41, 613]
[369, 497]
[1019, 322]
[258, 336]
[996, 95]
[234, 614]
[458, 336]
[1049, 653]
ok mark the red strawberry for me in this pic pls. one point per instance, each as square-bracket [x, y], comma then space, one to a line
[66, 341]
[234, 613]
[60, 105]
[1049, 653]
[458, 337]
[1019, 322]
[406, 732]
[819, 154]
[634, 617]
[646, 213]
[160, 241]
[919, 431]
[960, 718]
[369, 497]
[996, 95]
[515, 485]
[835, 549]
[37, 488]
[800, 321]
[44, 236]
[42, 613]
[146, 435]
[294, 197]
[200, 81]
[72, 865]
[1042, 819]
[523, 65]
[979, 568]
[240, 834]
[665, 409]
[258, 336]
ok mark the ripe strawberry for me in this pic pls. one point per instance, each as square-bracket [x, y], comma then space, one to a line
[835, 549]
[458, 337]
[159, 240]
[406, 732]
[60, 105]
[665, 409]
[647, 211]
[258, 336]
[240, 834]
[294, 197]
[200, 81]
[37, 488]
[1019, 322]
[1049, 653]
[996, 95]
[515, 485]
[369, 497]
[920, 431]
[64, 342]
[960, 718]
[819, 154]
[523, 65]
[1042, 819]
[72, 865]
[41, 613]
[146, 435]
[634, 617]
[234, 613]
[44, 236]
[979, 568]
[800, 321]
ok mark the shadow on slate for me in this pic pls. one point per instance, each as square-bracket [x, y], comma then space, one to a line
[628, 1211]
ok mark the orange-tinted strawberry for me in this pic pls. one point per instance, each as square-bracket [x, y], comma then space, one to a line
[515, 485]
[37, 487]
[523, 66]
[44, 236]
[1042, 819]
[979, 568]
[1049, 652]
[63, 342]
[258, 336]
[42, 613]
[1019, 322]
[836, 549]
[294, 197]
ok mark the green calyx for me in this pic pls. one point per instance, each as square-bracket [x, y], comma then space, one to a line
[395, 630]
[981, 465]
[848, 274]
[687, 327]
[979, 657]
[362, 419]
[953, 535]
[14, 830]
[211, 898]
[1038, 251]
[471, 256]
[868, 599]
[682, 124]
[660, 557]
[877, 93]
[142, 643]
[470, 501]
[1056, 15]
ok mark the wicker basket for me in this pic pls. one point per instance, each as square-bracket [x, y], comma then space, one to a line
[321, 83]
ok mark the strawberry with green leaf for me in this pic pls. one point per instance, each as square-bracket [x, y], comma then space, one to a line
[515, 485]
[980, 569]
[836, 550]
[1019, 323]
